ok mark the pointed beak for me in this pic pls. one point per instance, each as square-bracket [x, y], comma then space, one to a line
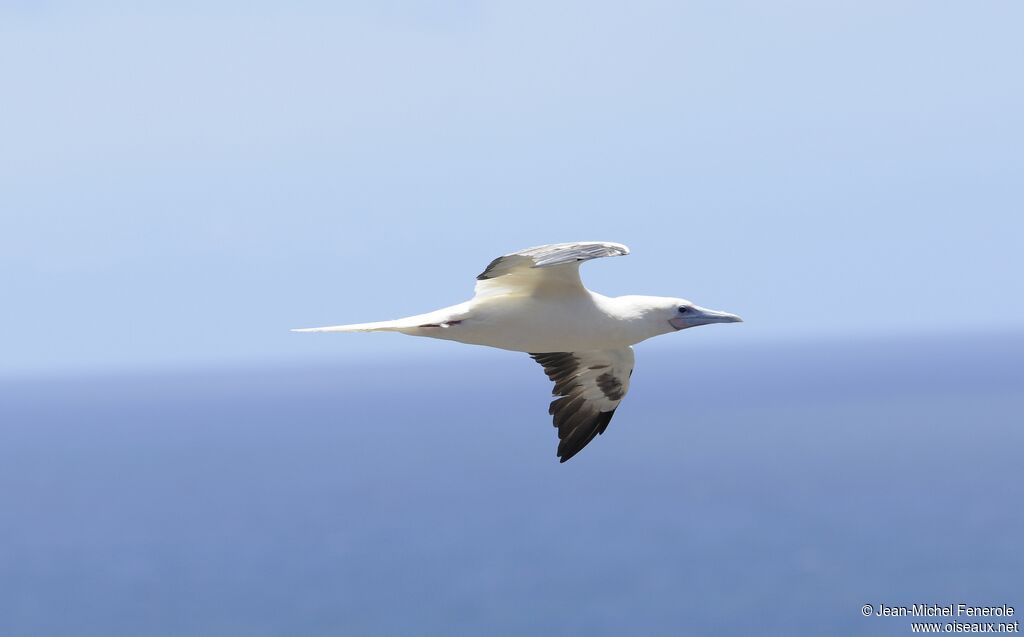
[703, 316]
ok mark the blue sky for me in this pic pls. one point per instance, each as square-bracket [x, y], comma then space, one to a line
[181, 185]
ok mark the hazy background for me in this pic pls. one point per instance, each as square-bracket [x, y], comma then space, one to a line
[179, 185]
[182, 184]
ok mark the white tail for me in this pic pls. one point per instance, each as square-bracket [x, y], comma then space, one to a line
[438, 318]
[409, 325]
[379, 326]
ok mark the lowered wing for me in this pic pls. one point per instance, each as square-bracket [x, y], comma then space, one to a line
[589, 387]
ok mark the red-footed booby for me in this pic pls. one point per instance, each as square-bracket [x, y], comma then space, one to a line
[533, 301]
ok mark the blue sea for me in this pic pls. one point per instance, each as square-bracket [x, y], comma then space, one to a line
[772, 490]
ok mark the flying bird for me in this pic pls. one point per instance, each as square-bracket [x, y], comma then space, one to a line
[533, 301]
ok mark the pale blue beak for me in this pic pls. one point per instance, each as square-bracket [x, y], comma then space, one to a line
[702, 316]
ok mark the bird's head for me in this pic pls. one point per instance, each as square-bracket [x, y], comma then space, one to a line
[664, 315]
[682, 314]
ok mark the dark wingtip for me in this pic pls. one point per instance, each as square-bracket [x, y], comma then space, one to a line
[564, 452]
[565, 455]
[603, 420]
[599, 426]
[486, 274]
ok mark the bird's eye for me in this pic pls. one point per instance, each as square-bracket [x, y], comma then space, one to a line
[683, 309]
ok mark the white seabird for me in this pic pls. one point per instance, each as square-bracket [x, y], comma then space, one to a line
[533, 301]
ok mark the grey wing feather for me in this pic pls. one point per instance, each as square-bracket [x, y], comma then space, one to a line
[553, 254]
[588, 389]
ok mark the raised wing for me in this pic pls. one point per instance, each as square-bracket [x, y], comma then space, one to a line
[589, 387]
[554, 266]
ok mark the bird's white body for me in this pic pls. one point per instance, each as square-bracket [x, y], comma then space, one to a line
[534, 301]
[541, 323]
